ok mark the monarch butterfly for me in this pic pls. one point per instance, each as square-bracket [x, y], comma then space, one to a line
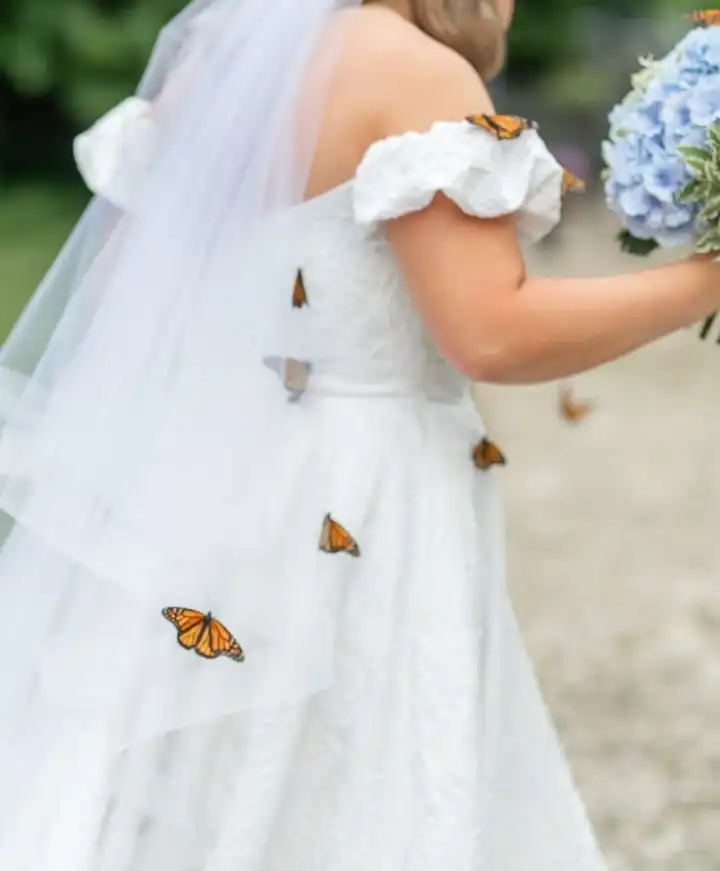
[486, 454]
[571, 182]
[334, 538]
[299, 298]
[571, 409]
[706, 17]
[295, 374]
[503, 127]
[203, 634]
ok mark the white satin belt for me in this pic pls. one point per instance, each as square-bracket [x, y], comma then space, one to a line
[299, 379]
[328, 385]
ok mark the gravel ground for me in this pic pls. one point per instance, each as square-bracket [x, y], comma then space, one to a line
[614, 575]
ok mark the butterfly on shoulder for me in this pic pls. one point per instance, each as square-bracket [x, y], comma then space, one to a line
[705, 17]
[299, 298]
[571, 183]
[572, 410]
[486, 454]
[334, 538]
[203, 634]
[502, 127]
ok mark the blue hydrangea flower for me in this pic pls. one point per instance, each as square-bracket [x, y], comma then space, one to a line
[673, 103]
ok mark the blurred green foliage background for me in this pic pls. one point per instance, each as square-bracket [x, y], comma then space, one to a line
[64, 62]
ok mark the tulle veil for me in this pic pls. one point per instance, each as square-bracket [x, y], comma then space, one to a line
[143, 440]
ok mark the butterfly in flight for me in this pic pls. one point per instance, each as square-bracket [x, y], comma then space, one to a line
[334, 538]
[299, 298]
[502, 127]
[572, 410]
[203, 634]
[706, 17]
[487, 454]
[571, 183]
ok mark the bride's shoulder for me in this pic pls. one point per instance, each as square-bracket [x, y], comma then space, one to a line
[389, 78]
[409, 80]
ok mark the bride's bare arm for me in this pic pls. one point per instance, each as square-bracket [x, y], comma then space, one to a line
[468, 279]
[496, 324]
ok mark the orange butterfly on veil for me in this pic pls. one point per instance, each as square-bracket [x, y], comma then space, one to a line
[334, 538]
[203, 634]
[299, 298]
[706, 17]
[502, 127]
[487, 454]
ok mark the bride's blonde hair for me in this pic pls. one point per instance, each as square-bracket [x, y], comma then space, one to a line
[472, 28]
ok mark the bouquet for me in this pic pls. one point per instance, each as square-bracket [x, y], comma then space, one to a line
[662, 175]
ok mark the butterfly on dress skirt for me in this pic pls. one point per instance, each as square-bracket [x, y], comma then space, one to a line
[299, 297]
[502, 127]
[203, 634]
[571, 183]
[706, 17]
[571, 409]
[334, 538]
[487, 454]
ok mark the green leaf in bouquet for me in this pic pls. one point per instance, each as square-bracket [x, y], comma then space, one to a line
[698, 160]
[694, 152]
[714, 160]
[713, 178]
[692, 192]
[710, 194]
[713, 134]
[708, 242]
[698, 169]
[632, 245]
[710, 211]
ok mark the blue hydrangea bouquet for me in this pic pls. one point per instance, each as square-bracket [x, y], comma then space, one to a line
[662, 175]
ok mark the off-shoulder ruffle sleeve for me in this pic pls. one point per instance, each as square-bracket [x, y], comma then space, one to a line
[485, 177]
[114, 154]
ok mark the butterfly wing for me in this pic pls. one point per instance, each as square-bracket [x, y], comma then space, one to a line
[502, 127]
[334, 538]
[706, 17]
[189, 624]
[571, 409]
[325, 534]
[299, 299]
[203, 634]
[487, 454]
[275, 364]
[571, 183]
[222, 643]
[297, 375]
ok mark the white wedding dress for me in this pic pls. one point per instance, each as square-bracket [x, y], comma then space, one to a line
[433, 748]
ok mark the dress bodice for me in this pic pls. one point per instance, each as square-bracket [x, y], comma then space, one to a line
[371, 336]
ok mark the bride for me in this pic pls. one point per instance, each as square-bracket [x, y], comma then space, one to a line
[254, 604]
